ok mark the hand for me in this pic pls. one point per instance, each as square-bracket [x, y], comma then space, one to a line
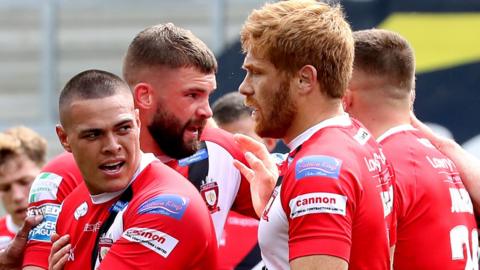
[12, 257]
[59, 252]
[441, 143]
[262, 174]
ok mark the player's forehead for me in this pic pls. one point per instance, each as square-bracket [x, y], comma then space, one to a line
[17, 168]
[100, 113]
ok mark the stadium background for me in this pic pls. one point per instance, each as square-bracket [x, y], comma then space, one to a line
[43, 43]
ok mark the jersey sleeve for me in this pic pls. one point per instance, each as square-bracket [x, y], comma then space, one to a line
[319, 201]
[57, 179]
[166, 231]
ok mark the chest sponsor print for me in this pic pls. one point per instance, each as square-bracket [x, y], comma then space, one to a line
[319, 165]
[171, 205]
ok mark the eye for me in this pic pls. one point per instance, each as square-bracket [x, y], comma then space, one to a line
[4, 188]
[91, 135]
[192, 95]
[125, 128]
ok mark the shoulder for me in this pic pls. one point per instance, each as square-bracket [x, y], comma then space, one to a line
[57, 179]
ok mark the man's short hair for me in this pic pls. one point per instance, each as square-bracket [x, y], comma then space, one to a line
[230, 108]
[91, 84]
[385, 54]
[292, 34]
[169, 46]
[20, 140]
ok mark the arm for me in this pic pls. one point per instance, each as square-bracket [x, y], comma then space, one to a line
[318, 262]
[11, 257]
[262, 173]
[467, 164]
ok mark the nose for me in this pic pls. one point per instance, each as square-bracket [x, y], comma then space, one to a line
[245, 88]
[204, 110]
[111, 144]
[18, 193]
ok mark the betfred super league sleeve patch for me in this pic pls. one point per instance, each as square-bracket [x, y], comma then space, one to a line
[171, 205]
[44, 187]
[157, 241]
[43, 231]
[319, 165]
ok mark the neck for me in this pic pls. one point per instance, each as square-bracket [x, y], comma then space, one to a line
[148, 144]
[309, 116]
[381, 119]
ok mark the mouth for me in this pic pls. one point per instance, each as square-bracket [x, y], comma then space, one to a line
[112, 167]
[21, 211]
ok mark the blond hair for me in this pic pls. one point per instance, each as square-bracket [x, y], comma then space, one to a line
[292, 34]
[21, 140]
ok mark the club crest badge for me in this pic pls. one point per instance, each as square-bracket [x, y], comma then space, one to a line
[209, 192]
[104, 245]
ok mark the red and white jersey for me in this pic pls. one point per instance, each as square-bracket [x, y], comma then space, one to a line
[221, 185]
[8, 229]
[335, 198]
[238, 247]
[436, 226]
[58, 179]
[165, 224]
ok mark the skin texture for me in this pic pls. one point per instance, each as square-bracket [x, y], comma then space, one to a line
[16, 177]
[284, 106]
[101, 133]
[11, 257]
[173, 128]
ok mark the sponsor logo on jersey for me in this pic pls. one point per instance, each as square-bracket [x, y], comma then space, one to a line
[92, 227]
[71, 254]
[199, 155]
[157, 241]
[270, 202]
[441, 163]
[43, 231]
[387, 200]
[375, 163]
[461, 202]
[209, 192]
[81, 211]
[45, 187]
[316, 203]
[166, 204]
[325, 166]
[362, 136]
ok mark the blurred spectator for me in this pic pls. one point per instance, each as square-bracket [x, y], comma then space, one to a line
[231, 114]
[22, 154]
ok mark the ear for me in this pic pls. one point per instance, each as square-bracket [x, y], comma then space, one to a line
[347, 100]
[143, 95]
[306, 78]
[63, 138]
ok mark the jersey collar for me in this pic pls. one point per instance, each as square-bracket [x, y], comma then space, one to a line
[339, 120]
[11, 227]
[397, 129]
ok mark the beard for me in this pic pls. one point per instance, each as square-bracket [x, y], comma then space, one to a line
[167, 131]
[277, 113]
